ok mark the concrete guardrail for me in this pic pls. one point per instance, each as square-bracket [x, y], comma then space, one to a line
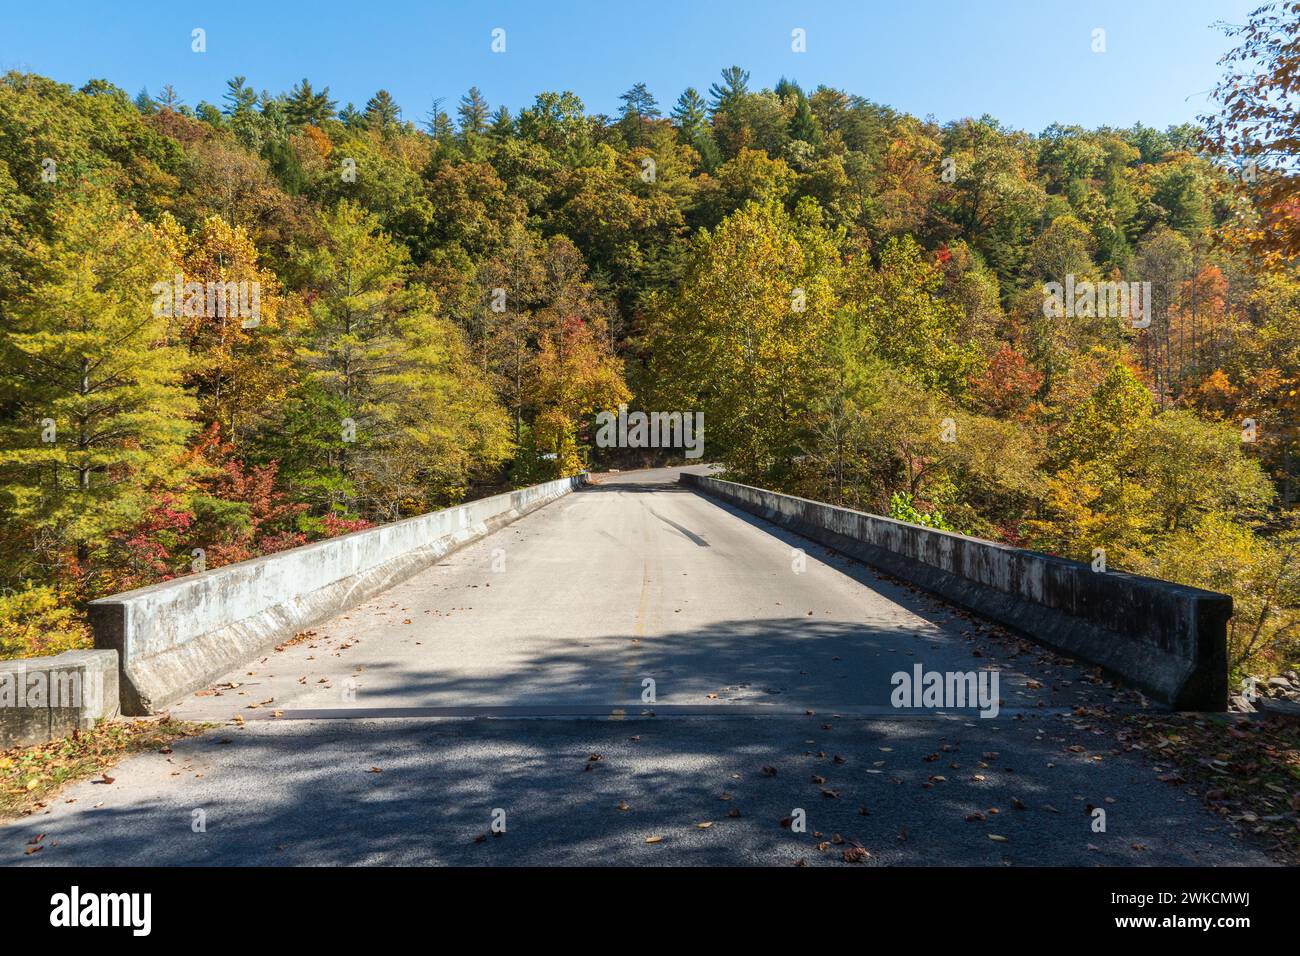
[42, 698]
[1167, 639]
[175, 637]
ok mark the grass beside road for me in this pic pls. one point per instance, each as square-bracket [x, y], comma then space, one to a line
[30, 776]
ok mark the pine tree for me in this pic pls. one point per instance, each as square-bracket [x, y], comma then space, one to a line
[803, 124]
[382, 112]
[239, 96]
[639, 107]
[100, 416]
[732, 89]
[413, 421]
[437, 123]
[503, 126]
[639, 102]
[308, 108]
[472, 113]
[691, 117]
[168, 98]
[351, 117]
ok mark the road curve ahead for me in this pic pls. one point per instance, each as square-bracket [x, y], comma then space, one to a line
[511, 683]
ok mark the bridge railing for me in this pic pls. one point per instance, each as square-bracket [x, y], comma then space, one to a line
[1167, 639]
[176, 637]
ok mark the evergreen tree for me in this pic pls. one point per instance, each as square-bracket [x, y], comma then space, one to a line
[382, 112]
[472, 113]
[503, 127]
[414, 423]
[639, 107]
[306, 107]
[351, 117]
[168, 98]
[100, 416]
[437, 123]
[690, 115]
[691, 118]
[733, 88]
[239, 96]
[803, 124]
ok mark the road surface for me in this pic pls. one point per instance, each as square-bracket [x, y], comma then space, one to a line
[508, 683]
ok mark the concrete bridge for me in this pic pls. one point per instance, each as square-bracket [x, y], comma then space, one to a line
[639, 672]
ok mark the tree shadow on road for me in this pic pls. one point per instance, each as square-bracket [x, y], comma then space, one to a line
[932, 790]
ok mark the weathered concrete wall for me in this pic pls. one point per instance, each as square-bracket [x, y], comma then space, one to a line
[42, 698]
[175, 637]
[1168, 640]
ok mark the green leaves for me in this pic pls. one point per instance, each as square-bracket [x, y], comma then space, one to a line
[912, 326]
[752, 321]
[100, 417]
[391, 418]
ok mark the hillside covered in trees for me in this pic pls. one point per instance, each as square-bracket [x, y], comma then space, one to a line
[853, 297]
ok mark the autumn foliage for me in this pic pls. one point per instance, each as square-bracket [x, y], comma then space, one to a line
[853, 297]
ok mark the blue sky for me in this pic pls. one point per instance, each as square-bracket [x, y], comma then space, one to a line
[1028, 63]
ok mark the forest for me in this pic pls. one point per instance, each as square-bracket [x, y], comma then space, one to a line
[231, 328]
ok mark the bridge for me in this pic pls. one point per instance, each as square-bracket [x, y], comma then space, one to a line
[645, 670]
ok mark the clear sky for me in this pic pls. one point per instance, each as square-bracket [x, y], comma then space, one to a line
[1027, 62]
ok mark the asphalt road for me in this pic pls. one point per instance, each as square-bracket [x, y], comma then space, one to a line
[509, 683]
